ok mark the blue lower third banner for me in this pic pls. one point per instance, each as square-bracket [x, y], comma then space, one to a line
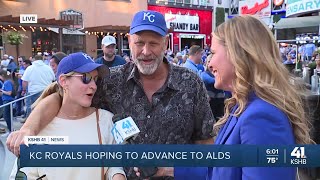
[169, 156]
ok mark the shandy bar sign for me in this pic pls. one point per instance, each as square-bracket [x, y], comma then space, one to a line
[182, 23]
[295, 7]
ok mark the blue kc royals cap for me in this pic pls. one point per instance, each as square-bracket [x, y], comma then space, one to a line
[149, 21]
[80, 63]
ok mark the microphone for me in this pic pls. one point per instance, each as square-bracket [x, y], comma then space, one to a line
[124, 131]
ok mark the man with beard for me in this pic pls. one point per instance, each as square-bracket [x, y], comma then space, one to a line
[109, 58]
[168, 103]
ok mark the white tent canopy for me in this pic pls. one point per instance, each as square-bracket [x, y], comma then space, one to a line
[298, 22]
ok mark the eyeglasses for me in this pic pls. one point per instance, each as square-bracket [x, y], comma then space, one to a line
[21, 175]
[86, 77]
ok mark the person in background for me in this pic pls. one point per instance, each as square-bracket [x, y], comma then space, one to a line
[185, 51]
[289, 60]
[283, 51]
[206, 50]
[109, 58]
[200, 66]
[19, 110]
[309, 49]
[12, 66]
[46, 58]
[265, 108]
[76, 85]
[5, 61]
[126, 57]
[195, 54]
[36, 78]
[54, 50]
[7, 94]
[184, 59]
[175, 95]
[217, 96]
[26, 63]
[55, 60]
[179, 57]
[175, 61]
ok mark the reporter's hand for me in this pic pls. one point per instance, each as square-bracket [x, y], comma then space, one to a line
[16, 138]
[162, 171]
[118, 177]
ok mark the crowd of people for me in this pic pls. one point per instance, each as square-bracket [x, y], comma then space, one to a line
[305, 53]
[29, 78]
[173, 99]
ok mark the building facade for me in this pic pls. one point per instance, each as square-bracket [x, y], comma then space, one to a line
[91, 21]
[190, 22]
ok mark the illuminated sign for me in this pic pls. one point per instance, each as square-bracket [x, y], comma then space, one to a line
[295, 7]
[192, 36]
[182, 23]
[75, 16]
[261, 8]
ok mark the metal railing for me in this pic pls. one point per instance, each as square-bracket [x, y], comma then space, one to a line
[11, 107]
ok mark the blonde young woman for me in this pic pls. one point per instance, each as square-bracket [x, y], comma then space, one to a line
[76, 84]
[264, 108]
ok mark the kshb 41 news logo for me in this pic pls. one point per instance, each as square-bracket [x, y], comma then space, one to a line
[298, 156]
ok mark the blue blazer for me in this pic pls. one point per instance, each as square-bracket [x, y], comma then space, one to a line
[260, 123]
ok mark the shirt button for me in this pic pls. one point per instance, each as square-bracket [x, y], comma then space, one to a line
[146, 135]
[148, 116]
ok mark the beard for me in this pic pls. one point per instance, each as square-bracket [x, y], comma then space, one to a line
[148, 69]
[109, 55]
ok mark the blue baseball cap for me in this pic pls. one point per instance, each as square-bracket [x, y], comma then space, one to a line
[81, 63]
[149, 21]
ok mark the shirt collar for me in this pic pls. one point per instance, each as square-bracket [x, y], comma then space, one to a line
[188, 60]
[172, 79]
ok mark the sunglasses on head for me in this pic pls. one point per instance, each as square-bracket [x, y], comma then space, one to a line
[21, 175]
[86, 77]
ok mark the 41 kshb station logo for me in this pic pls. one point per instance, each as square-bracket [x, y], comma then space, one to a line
[298, 156]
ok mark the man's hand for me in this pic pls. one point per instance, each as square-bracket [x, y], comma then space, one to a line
[162, 171]
[16, 138]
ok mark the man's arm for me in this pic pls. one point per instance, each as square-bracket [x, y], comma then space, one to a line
[24, 87]
[37, 120]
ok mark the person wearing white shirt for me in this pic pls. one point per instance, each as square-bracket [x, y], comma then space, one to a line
[36, 77]
[5, 61]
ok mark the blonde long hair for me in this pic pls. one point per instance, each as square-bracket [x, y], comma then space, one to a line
[51, 89]
[255, 55]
